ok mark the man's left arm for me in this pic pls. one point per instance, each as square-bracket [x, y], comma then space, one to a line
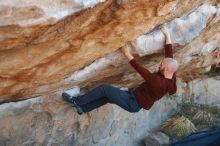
[169, 50]
[168, 45]
[169, 54]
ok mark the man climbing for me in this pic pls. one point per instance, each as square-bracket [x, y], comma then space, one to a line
[155, 86]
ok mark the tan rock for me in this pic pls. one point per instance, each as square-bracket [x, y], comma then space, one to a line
[42, 58]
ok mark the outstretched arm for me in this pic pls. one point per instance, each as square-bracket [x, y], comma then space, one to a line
[168, 45]
[145, 73]
[126, 51]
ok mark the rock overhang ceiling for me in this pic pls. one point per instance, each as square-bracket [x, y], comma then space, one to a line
[38, 57]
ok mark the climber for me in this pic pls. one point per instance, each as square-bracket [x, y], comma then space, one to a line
[154, 87]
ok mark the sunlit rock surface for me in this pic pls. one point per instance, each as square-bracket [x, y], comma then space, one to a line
[50, 46]
[183, 30]
[38, 59]
[210, 88]
[24, 13]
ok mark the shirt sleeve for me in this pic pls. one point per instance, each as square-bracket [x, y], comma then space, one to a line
[145, 73]
[169, 50]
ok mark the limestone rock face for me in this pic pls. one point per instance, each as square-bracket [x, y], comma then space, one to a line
[40, 58]
[32, 12]
[50, 46]
[47, 120]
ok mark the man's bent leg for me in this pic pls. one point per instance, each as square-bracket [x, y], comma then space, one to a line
[94, 104]
[122, 98]
[95, 94]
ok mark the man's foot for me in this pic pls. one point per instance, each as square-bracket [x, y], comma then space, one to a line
[67, 97]
[70, 99]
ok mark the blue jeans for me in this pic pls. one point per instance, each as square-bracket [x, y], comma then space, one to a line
[106, 93]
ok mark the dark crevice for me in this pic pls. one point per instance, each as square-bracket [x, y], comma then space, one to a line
[215, 71]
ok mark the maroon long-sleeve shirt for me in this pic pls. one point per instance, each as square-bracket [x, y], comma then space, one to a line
[155, 85]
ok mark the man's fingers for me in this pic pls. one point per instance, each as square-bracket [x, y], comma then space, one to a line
[126, 48]
[164, 30]
[123, 49]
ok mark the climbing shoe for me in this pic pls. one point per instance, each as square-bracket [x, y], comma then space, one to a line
[68, 98]
[71, 101]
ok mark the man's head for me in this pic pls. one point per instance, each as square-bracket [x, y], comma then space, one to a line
[168, 66]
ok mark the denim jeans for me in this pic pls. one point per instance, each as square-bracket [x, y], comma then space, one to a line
[106, 93]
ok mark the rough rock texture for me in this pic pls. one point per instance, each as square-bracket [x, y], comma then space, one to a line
[210, 88]
[50, 46]
[49, 121]
[32, 12]
[31, 58]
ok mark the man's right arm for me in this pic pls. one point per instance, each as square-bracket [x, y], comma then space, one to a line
[145, 73]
